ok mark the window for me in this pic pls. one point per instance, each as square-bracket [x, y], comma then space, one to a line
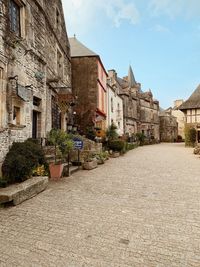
[55, 113]
[1, 7]
[16, 116]
[111, 104]
[118, 110]
[36, 101]
[57, 19]
[14, 14]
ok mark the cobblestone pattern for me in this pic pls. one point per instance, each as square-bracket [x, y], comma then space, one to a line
[142, 209]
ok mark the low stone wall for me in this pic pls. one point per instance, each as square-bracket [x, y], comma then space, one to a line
[89, 148]
[17, 193]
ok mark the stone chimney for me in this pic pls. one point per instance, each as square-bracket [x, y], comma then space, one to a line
[178, 102]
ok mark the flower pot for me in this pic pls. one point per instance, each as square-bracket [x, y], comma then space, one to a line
[100, 161]
[56, 171]
[115, 155]
[89, 165]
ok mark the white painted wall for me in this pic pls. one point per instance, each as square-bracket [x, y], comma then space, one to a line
[115, 110]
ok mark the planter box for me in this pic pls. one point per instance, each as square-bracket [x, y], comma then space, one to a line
[90, 165]
[17, 193]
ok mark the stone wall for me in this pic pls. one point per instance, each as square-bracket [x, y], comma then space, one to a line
[90, 148]
[32, 68]
[84, 83]
[168, 128]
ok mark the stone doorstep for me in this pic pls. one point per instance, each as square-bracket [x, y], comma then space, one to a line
[17, 193]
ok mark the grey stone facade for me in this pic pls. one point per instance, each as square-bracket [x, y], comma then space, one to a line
[168, 127]
[140, 109]
[35, 70]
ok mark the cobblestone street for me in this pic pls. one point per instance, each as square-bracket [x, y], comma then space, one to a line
[142, 209]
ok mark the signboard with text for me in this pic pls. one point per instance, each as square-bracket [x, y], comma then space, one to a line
[78, 143]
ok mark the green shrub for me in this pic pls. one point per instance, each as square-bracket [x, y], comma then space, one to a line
[140, 138]
[90, 133]
[3, 183]
[190, 136]
[117, 145]
[130, 146]
[111, 132]
[20, 161]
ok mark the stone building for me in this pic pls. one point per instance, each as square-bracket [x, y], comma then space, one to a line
[140, 109]
[168, 126]
[191, 110]
[176, 112]
[89, 79]
[128, 92]
[149, 115]
[114, 103]
[35, 70]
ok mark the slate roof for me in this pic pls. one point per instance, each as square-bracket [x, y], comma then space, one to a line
[131, 77]
[193, 101]
[80, 50]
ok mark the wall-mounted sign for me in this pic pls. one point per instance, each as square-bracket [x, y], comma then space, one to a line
[24, 93]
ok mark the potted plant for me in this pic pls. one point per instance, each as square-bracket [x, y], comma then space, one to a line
[57, 138]
[90, 162]
[100, 158]
[117, 147]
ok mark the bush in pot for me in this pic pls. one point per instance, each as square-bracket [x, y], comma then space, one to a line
[62, 146]
[116, 145]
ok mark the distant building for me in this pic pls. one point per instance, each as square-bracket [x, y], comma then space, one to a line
[176, 112]
[191, 110]
[128, 92]
[168, 126]
[140, 110]
[149, 115]
[89, 82]
[114, 103]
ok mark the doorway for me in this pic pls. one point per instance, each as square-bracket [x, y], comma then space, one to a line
[35, 124]
[198, 136]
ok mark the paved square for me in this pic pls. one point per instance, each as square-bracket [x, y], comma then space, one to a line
[142, 209]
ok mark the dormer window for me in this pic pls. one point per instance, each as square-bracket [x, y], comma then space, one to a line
[14, 15]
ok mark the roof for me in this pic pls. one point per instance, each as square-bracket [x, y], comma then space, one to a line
[131, 77]
[193, 101]
[80, 50]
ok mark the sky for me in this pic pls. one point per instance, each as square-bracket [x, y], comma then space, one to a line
[160, 39]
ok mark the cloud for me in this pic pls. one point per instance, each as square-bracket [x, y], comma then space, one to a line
[160, 28]
[118, 11]
[81, 15]
[174, 8]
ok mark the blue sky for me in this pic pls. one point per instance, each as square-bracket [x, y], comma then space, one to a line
[159, 38]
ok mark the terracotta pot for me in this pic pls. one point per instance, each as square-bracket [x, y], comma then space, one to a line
[56, 171]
